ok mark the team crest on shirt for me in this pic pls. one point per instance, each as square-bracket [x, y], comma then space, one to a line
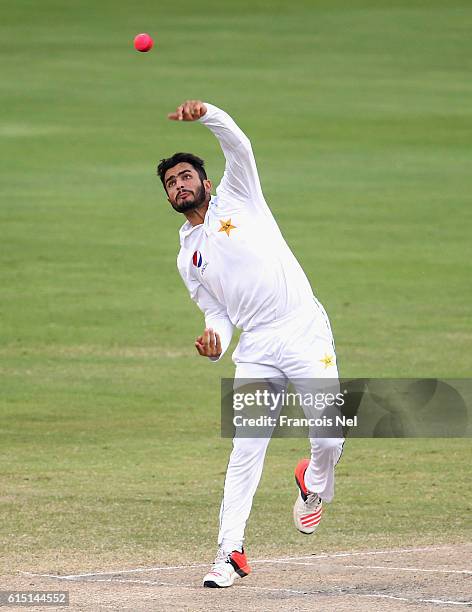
[197, 259]
[226, 226]
[328, 360]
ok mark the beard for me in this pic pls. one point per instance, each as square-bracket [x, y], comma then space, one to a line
[190, 203]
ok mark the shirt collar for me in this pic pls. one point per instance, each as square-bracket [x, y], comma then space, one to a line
[187, 228]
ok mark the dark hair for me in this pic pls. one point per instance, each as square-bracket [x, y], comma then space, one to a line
[177, 158]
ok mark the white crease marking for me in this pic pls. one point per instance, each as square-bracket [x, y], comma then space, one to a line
[280, 560]
[352, 554]
[409, 569]
[270, 589]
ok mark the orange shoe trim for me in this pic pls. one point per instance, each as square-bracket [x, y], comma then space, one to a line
[300, 476]
[240, 564]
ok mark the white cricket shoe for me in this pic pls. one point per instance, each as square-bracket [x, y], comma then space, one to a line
[308, 507]
[225, 570]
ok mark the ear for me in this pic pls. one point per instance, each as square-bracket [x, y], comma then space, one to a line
[208, 185]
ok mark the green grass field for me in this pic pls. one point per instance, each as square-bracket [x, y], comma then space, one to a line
[360, 117]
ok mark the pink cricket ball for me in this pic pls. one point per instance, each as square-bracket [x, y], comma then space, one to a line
[143, 42]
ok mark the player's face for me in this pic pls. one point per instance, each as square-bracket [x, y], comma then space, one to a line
[185, 189]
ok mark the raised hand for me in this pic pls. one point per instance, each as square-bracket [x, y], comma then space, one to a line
[190, 110]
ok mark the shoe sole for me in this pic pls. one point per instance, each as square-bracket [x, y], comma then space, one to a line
[212, 585]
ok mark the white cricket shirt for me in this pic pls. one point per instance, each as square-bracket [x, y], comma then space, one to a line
[236, 264]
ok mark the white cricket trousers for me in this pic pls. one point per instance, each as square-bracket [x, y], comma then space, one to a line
[299, 346]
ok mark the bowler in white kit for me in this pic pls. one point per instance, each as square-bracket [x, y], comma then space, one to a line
[241, 273]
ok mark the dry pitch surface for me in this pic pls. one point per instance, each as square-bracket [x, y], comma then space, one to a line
[422, 578]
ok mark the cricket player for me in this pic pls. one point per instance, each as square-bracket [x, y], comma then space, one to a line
[241, 273]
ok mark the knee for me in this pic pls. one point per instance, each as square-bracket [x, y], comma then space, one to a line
[326, 444]
[245, 448]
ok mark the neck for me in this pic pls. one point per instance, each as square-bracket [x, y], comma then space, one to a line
[197, 216]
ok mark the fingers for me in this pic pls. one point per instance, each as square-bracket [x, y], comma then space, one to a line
[191, 110]
[207, 340]
[199, 345]
[187, 111]
[214, 343]
[178, 115]
[209, 344]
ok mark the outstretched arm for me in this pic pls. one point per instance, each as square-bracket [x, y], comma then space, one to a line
[240, 180]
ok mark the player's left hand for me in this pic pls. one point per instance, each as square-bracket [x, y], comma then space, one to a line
[190, 110]
[209, 343]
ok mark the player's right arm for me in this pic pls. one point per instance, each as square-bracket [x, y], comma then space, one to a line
[218, 327]
[240, 181]
[218, 332]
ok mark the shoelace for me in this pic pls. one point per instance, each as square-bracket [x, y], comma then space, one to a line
[312, 501]
[221, 555]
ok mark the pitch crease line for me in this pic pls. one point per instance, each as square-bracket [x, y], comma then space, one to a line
[292, 591]
[371, 595]
[117, 572]
[150, 582]
[280, 560]
[383, 567]
[351, 554]
[409, 569]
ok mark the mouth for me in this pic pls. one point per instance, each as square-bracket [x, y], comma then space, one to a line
[184, 195]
